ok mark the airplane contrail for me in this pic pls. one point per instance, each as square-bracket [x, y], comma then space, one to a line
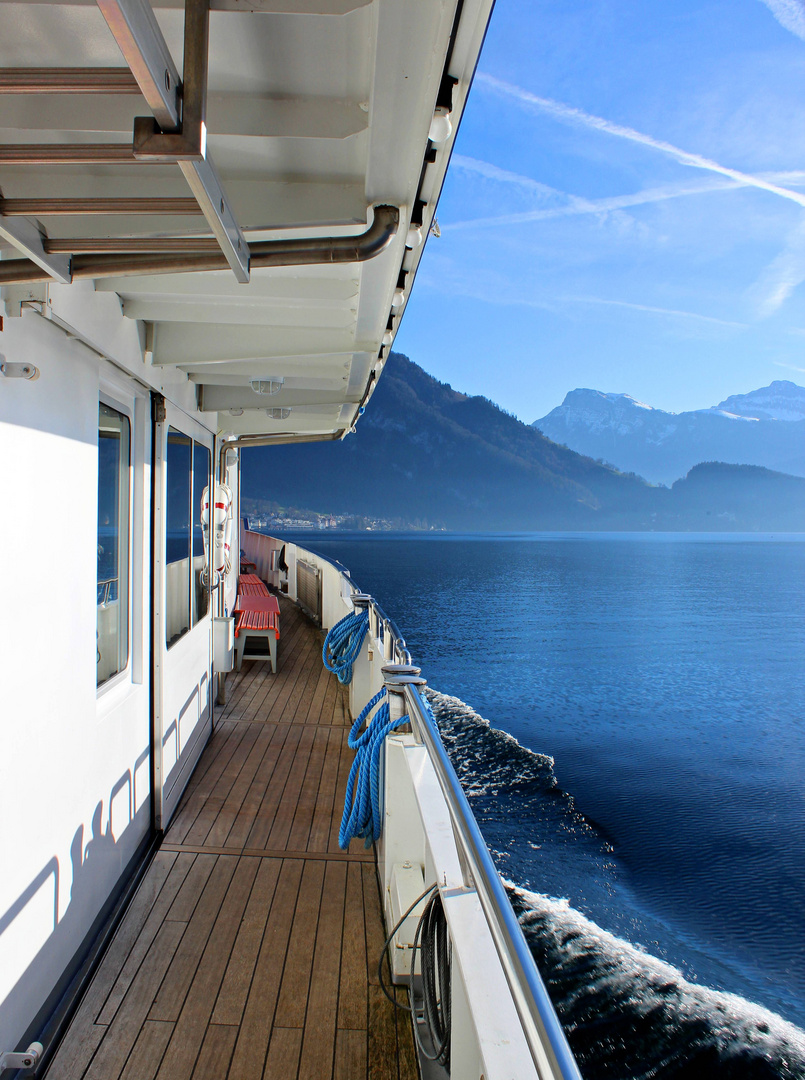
[656, 310]
[578, 205]
[570, 114]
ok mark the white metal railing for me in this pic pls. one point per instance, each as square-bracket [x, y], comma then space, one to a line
[540, 1022]
[547, 1048]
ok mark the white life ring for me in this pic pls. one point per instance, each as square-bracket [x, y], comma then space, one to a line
[222, 528]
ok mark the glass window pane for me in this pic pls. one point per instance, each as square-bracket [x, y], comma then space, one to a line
[201, 479]
[177, 539]
[114, 440]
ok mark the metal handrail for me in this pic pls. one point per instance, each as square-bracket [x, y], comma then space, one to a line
[541, 1026]
[543, 1032]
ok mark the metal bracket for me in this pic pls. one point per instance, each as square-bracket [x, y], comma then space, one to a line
[140, 39]
[14, 297]
[13, 1059]
[26, 237]
[17, 371]
[187, 144]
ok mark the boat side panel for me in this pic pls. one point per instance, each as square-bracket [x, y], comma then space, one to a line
[75, 800]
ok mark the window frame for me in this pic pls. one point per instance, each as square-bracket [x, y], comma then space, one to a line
[188, 430]
[126, 410]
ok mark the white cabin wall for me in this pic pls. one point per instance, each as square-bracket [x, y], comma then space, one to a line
[75, 798]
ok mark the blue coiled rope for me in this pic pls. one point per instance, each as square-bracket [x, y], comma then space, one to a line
[343, 643]
[362, 811]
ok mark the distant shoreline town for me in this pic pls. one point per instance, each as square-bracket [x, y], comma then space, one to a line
[282, 520]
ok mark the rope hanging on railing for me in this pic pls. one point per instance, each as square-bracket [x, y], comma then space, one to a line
[343, 643]
[362, 812]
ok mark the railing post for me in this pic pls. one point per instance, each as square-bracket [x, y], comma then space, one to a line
[361, 687]
[395, 678]
[400, 840]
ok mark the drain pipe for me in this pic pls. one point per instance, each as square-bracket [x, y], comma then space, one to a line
[295, 252]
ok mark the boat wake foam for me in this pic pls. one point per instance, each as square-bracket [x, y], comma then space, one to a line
[626, 1013]
[488, 761]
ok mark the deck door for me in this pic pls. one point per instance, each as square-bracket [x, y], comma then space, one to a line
[182, 651]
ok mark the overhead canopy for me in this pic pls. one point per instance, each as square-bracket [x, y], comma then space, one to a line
[271, 263]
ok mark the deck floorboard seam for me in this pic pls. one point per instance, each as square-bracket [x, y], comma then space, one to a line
[247, 953]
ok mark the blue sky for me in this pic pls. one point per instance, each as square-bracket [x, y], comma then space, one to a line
[625, 207]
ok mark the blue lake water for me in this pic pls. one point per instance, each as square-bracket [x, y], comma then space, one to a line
[652, 816]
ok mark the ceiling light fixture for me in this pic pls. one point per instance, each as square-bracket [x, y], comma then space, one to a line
[278, 413]
[398, 299]
[266, 386]
[388, 337]
[414, 238]
[441, 126]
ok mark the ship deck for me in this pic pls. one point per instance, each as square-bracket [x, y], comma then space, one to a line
[250, 949]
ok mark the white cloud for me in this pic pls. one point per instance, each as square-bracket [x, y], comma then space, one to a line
[492, 287]
[790, 14]
[783, 274]
[791, 367]
[569, 114]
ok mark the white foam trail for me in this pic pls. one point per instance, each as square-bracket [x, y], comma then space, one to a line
[504, 762]
[569, 114]
[789, 14]
[622, 972]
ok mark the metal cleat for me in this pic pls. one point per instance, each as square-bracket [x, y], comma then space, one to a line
[18, 1059]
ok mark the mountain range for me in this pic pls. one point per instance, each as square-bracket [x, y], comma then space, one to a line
[765, 427]
[427, 454]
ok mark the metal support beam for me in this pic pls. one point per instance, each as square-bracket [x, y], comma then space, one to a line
[26, 237]
[145, 50]
[189, 147]
[66, 154]
[132, 245]
[203, 181]
[269, 7]
[67, 81]
[87, 207]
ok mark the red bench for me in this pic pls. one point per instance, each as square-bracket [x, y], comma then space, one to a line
[251, 580]
[256, 616]
[246, 588]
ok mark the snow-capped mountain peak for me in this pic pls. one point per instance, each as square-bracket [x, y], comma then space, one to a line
[781, 400]
[758, 428]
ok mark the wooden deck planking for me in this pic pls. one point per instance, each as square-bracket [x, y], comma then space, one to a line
[344, 765]
[250, 949]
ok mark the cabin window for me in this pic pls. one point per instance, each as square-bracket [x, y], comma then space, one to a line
[188, 473]
[112, 633]
[201, 480]
[178, 534]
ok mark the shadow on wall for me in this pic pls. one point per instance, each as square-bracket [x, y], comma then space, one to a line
[33, 919]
